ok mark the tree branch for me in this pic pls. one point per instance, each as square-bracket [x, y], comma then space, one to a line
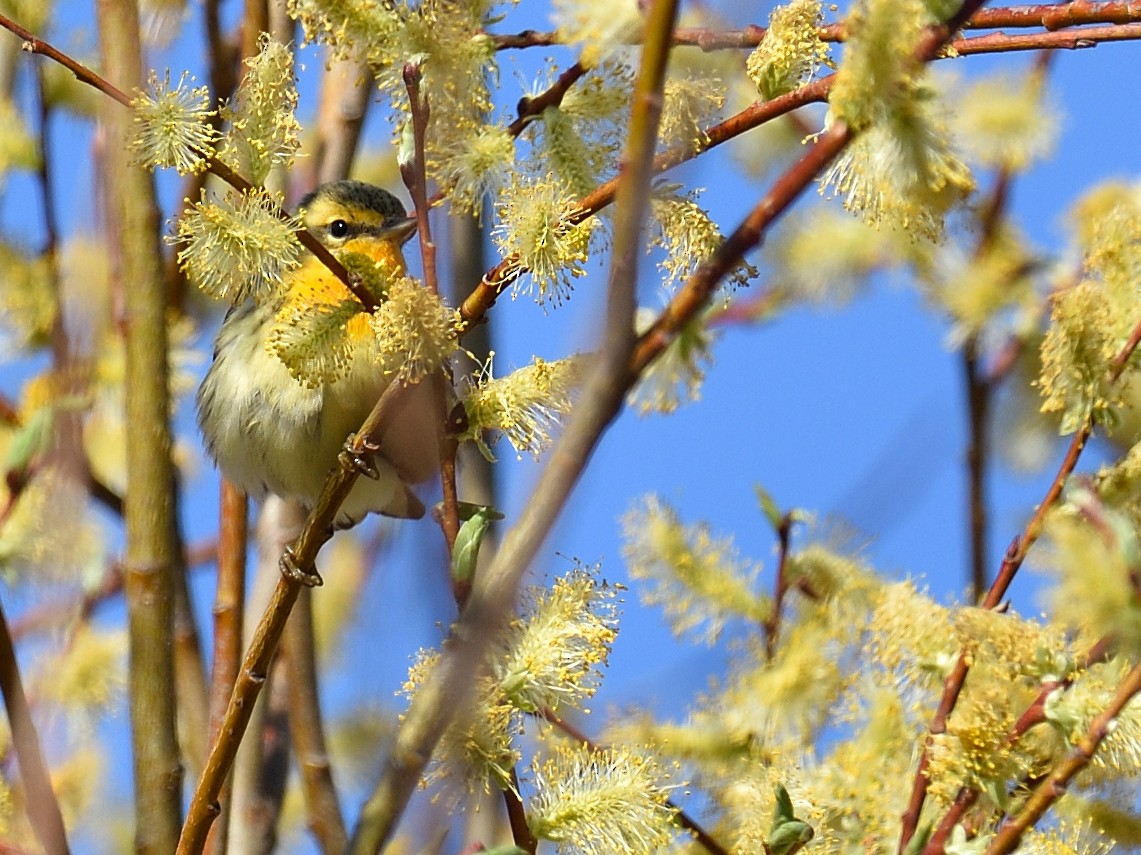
[1057, 782]
[529, 108]
[40, 801]
[322, 806]
[229, 615]
[600, 402]
[214, 165]
[1015, 555]
[1049, 16]
[780, 586]
[151, 555]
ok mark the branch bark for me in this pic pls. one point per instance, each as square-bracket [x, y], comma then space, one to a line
[152, 555]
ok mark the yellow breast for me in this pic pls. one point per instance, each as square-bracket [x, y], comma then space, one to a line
[313, 284]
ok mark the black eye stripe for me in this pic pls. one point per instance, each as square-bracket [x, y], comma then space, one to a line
[343, 229]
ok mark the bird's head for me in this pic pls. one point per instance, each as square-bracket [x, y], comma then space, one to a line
[352, 215]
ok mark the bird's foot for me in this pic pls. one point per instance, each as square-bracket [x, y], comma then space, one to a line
[292, 570]
[351, 458]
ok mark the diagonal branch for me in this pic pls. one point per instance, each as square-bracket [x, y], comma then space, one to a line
[529, 108]
[601, 400]
[1015, 555]
[1057, 782]
[32, 44]
[1049, 16]
[259, 655]
[40, 801]
[500, 277]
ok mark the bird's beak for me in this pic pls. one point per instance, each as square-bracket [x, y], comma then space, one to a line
[401, 230]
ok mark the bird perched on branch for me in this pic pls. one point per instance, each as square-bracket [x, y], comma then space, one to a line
[269, 431]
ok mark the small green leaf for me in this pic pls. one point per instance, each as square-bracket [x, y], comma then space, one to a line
[465, 555]
[788, 834]
[769, 507]
[32, 439]
[784, 811]
[959, 844]
[406, 151]
[918, 841]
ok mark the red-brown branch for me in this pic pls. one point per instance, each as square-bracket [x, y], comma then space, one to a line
[497, 280]
[1049, 16]
[1057, 782]
[780, 586]
[32, 44]
[1033, 715]
[529, 108]
[1015, 555]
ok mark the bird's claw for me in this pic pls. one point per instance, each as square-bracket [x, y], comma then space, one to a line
[292, 570]
[351, 458]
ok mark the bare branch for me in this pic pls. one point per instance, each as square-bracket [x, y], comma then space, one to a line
[39, 801]
[1048, 16]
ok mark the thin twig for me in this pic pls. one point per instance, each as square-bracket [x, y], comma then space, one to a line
[40, 801]
[1050, 16]
[1078, 39]
[517, 817]
[1056, 783]
[222, 53]
[1015, 556]
[978, 454]
[229, 615]
[780, 586]
[600, 401]
[191, 685]
[414, 176]
[529, 108]
[415, 179]
[979, 393]
[449, 517]
[66, 454]
[322, 806]
[32, 44]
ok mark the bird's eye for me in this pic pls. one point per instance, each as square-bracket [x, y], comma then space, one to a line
[338, 228]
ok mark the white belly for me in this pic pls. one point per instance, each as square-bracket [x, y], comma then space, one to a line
[268, 433]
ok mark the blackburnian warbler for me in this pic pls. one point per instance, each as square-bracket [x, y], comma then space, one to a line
[269, 432]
